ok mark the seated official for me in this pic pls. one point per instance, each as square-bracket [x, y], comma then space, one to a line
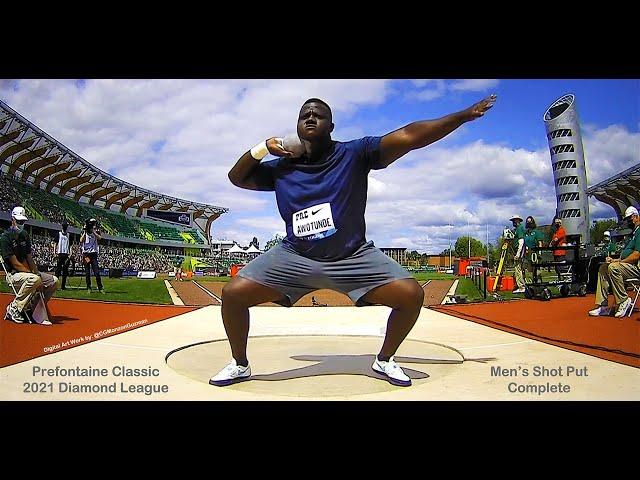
[614, 272]
[15, 245]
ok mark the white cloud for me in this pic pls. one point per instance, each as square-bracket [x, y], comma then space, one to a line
[399, 242]
[478, 169]
[422, 82]
[609, 151]
[438, 88]
[267, 223]
[422, 192]
[473, 85]
[427, 94]
[599, 210]
[207, 124]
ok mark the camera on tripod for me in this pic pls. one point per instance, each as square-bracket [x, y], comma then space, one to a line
[90, 225]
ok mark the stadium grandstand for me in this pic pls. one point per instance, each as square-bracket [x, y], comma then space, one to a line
[55, 184]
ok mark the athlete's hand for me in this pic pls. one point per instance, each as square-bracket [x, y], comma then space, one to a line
[275, 148]
[478, 110]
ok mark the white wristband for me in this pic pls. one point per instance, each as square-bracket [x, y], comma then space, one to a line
[260, 151]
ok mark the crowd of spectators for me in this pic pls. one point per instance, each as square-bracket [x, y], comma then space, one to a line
[127, 259]
[109, 256]
[135, 259]
[10, 196]
[47, 206]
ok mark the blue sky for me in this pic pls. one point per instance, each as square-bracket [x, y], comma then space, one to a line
[181, 137]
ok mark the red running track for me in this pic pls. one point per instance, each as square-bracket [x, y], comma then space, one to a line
[563, 322]
[75, 322]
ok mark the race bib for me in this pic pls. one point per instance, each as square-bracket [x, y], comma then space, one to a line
[314, 222]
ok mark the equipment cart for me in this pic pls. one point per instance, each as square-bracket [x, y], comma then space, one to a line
[572, 273]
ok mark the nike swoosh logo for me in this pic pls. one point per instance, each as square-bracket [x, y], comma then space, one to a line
[313, 213]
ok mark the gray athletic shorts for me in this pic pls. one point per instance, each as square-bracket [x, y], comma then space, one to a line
[293, 275]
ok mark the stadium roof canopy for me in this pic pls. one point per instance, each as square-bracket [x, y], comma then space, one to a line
[33, 157]
[620, 191]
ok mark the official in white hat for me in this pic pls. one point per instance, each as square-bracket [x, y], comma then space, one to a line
[615, 271]
[15, 245]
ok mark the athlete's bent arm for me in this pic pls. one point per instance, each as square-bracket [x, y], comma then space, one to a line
[243, 172]
[420, 134]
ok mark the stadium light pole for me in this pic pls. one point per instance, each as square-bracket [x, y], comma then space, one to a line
[449, 244]
[469, 236]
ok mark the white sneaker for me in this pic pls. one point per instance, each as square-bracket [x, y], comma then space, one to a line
[623, 308]
[392, 371]
[601, 311]
[232, 373]
[519, 290]
[13, 314]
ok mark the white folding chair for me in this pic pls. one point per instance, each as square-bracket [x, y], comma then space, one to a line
[635, 284]
[36, 310]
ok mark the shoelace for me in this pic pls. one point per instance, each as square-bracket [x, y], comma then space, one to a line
[391, 365]
[232, 369]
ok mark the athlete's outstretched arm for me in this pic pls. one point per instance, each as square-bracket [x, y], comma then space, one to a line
[420, 134]
[243, 173]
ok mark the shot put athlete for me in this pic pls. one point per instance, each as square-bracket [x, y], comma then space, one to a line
[321, 192]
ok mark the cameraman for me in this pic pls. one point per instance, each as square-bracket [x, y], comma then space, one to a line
[89, 241]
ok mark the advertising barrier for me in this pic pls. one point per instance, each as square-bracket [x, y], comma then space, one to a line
[146, 274]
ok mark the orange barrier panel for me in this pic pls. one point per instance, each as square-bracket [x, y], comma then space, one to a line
[235, 269]
[506, 284]
[462, 266]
